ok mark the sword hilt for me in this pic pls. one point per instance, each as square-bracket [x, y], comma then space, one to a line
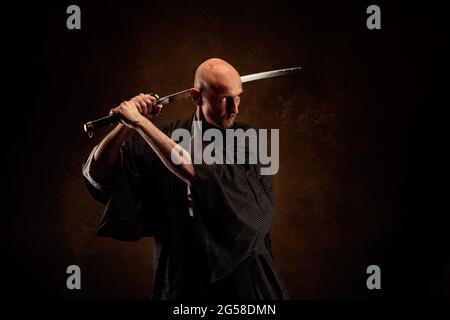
[91, 126]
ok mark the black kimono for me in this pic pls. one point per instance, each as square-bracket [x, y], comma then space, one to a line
[223, 251]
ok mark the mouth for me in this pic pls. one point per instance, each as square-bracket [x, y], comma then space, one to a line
[228, 120]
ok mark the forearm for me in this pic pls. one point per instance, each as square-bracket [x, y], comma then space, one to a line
[164, 146]
[107, 153]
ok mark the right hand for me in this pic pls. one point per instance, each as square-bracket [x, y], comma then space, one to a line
[136, 109]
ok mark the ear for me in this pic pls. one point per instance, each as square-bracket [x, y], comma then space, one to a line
[196, 96]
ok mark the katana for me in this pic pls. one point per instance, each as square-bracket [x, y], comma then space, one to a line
[91, 126]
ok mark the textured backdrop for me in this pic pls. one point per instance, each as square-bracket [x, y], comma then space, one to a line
[351, 138]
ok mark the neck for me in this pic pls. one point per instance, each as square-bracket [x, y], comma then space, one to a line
[199, 116]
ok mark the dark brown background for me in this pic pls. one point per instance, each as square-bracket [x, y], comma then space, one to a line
[357, 142]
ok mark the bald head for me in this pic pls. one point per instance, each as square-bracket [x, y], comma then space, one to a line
[217, 74]
[216, 92]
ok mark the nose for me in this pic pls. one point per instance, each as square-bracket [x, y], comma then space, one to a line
[233, 104]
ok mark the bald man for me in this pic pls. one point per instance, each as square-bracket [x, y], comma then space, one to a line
[210, 222]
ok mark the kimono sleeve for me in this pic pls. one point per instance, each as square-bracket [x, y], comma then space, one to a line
[127, 197]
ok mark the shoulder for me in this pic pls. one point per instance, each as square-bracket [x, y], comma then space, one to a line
[177, 124]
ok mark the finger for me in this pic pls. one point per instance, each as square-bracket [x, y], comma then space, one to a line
[148, 98]
[152, 98]
[136, 104]
[142, 97]
[158, 108]
[117, 110]
[143, 104]
[150, 104]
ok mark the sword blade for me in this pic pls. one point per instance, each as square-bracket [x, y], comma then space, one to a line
[185, 94]
[269, 74]
[175, 97]
[90, 126]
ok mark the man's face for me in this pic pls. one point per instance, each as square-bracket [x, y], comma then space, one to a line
[220, 104]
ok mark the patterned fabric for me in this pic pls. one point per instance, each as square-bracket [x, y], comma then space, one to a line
[222, 251]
